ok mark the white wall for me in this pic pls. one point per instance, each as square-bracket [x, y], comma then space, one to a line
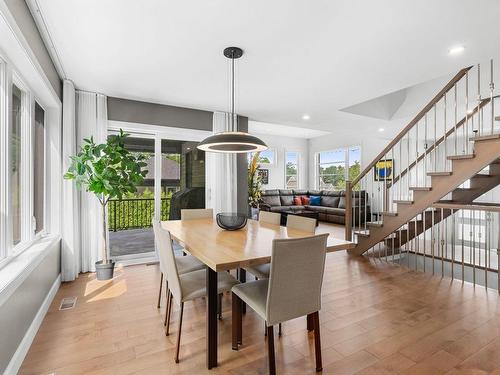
[277, 171]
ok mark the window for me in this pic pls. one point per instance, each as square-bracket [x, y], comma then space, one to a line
[337, 166]
[291, 170]
[39, 168]
[15, 162]
[22, 165]
[267, 157]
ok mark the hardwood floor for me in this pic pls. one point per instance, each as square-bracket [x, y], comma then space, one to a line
[376, 318]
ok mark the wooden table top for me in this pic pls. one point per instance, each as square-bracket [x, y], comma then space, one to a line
[223, 250]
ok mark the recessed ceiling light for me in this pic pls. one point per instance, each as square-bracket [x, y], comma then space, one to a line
[381, 130]
[456, 50]
[306, 117]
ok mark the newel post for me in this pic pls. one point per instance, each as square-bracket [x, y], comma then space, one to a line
[348, 210]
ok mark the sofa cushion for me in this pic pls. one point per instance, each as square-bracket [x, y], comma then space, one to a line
[297, 201]
[314, 200]
[296, 208]
[279, 208]
[335, 211]
[285, 192]
[300, 192]
[271, 192]
[332, 193]
[330, 201]
[305, 200]
[286, 200]
[315, 208]
[315, 192]
[271, 200]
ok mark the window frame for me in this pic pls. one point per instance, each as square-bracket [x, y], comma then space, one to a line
[10, 77]
[346, 163]
[298, 168]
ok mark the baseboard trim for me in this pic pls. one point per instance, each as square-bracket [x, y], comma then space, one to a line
[18, 357]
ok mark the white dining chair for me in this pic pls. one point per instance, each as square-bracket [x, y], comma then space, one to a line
[269, 217]
[304, 224]
[188, 286]
[185, 264]
[292, 290]
[197, 213]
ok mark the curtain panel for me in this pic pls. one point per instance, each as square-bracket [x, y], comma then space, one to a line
[221, 172]
[84, 116]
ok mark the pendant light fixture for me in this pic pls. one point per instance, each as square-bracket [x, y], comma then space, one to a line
[232, 141]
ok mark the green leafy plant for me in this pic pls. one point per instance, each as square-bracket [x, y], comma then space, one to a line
[254, 181]
[109, 171]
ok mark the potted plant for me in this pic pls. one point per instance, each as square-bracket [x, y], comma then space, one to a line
[109, 171]
[254, 185]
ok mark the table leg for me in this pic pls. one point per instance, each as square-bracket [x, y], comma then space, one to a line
[212, 298]
[243, 279]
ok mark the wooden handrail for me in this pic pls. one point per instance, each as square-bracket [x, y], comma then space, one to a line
[439, 141]
[412, 123]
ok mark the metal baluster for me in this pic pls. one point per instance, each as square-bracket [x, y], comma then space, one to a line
[453, 244]
[433, 239]
[474, 247]
[400, 182]
[416, 242]
[486, 248]
[424, 220]
[445, 151]
[443, 236]
[479, 122]
[455, 117]
[416, 156]
[466, 129]
[407, 246]
[492, 100]
[408, 168]
[435, 139]
[425, 152]
[463, 247]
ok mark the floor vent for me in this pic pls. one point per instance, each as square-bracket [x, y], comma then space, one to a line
[67, 303]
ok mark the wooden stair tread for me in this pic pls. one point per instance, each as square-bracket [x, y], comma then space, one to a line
[389, 213]
[421, 188]
[480, 138]
[444, 173]
[375, 224]
[461, 157]
[362, 233]
[403, 201]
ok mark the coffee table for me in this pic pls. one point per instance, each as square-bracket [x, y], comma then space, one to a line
[304, 213]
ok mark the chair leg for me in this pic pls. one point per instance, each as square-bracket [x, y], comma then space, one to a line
[279, 330]
[270, 350]
[179, 334]
[219, 306]
[310, 324]
[317, 342]
[236, 320]
[159, 294]
[167, 332]
[167, 307]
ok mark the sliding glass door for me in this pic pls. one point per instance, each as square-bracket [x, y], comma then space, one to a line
[175, 180]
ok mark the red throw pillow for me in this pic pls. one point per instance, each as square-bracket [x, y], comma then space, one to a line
[297, 201]
[305, 200]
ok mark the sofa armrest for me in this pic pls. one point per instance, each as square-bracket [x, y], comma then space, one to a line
[264, 207]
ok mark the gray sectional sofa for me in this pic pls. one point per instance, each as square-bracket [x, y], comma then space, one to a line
[331, 209]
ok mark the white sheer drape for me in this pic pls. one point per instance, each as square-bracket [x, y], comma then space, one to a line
[84, 116]
[70, 248]
[91, 121]
[221, 186]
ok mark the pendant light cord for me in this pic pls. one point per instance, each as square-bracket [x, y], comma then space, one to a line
[232, 93]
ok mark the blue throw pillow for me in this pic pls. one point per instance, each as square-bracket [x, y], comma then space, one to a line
[314, 200]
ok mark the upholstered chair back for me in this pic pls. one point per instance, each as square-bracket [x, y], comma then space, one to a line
[197, 213]
[295, 279]
[305, 224]
[269, 217]
[167, 258]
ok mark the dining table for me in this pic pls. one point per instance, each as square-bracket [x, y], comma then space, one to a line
[224, 250]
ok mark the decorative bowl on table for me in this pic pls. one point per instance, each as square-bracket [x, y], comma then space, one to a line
[231, 221]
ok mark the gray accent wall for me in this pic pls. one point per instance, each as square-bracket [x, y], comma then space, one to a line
[158, 114]
[22, 15]
[17, 313]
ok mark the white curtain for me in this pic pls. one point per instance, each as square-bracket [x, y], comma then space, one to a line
[91, 121]
[70, 248]
[220, 169]
[84, 116]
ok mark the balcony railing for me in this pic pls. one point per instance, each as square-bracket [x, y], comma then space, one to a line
[134, 213]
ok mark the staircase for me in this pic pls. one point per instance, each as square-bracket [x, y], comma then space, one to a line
[436, 154]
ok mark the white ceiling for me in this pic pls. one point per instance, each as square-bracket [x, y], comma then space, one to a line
[304, 56]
